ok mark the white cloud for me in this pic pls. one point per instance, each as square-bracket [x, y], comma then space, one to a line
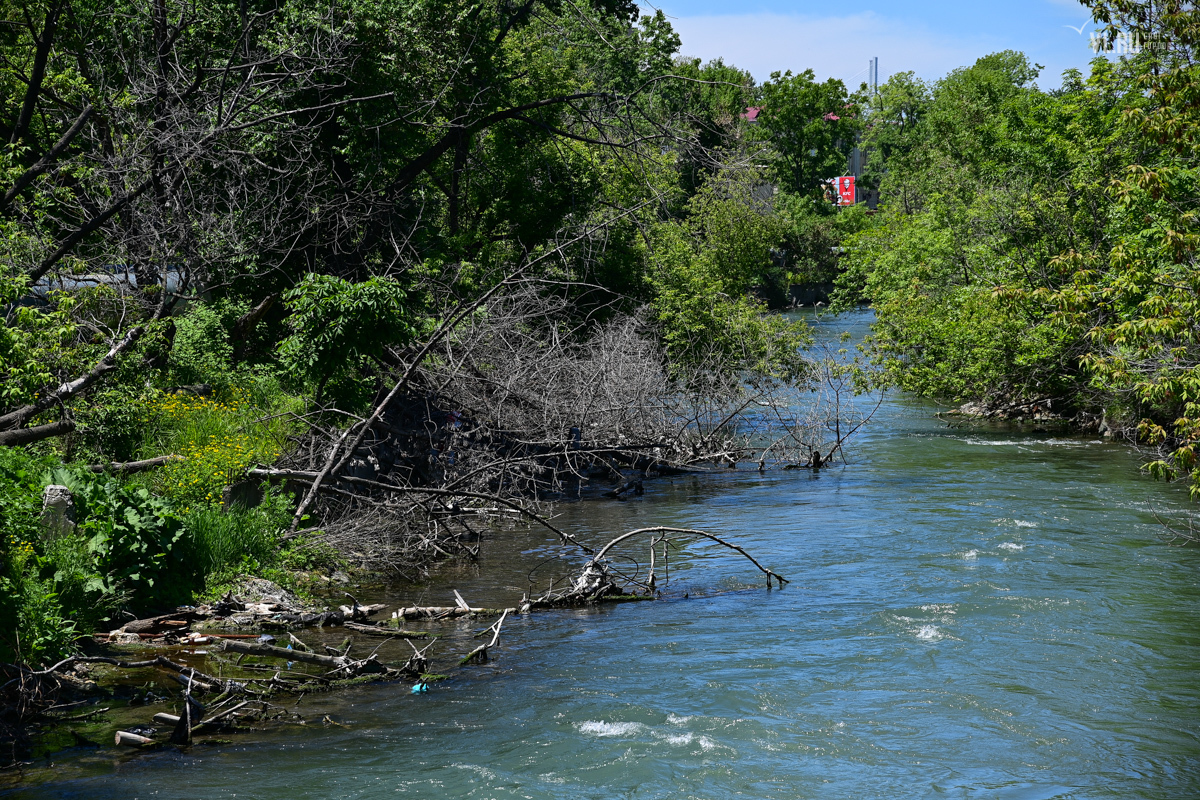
[838, 47]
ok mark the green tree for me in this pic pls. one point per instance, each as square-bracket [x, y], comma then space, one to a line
[812, 127]
[337, 325]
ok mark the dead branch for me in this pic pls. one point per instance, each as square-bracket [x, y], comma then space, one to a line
[690, 532]
[130, 467]
[595, 580]
[68, 390]
[480, 654]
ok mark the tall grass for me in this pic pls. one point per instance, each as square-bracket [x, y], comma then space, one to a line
[217, 541]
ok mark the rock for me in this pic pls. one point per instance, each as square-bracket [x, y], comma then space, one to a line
[58, 511]
[259, 591]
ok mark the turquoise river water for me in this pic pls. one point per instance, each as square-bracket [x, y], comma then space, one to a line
[974, 613]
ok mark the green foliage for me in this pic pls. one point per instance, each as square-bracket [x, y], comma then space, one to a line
[114, 422]
[893, 130]
[1043, 245]
[811, 125]
[202, 351]
[34, 618]
[1134, 298]
[29, 613]
[32, 341]
[703, 269]
[217, 438]
[969, 212]
[119, 554]
[129, 533]
[130, 551]
[222, 544]
[336, 325]
[813, 233]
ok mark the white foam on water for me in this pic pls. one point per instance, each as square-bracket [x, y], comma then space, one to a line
[675, 719]
[1012, 546]
[707, 743]
[1029, 442]
[929, 632]
[941, 608]
[1020, 523]
[970, 555]
[679, 739]
[995, 442]
[602, 728]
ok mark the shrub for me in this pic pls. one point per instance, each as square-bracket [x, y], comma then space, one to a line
[130, 535]
[33, 626]
[202, 352]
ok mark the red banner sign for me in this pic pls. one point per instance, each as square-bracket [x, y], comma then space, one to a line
[845, 190]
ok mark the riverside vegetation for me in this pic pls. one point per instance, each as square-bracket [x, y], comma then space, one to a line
[286, 286]
[339, 273]
[1036, 250]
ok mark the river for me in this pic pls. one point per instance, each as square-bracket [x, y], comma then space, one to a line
[974, 612]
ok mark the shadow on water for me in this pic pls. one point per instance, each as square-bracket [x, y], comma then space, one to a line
[975, 613]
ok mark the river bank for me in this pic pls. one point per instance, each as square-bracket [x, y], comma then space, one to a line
[976, 612]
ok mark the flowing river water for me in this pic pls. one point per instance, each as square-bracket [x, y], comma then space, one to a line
[974, 612]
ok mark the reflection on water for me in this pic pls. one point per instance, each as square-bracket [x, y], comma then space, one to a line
[974, 613]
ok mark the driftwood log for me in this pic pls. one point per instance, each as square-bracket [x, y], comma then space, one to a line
[385, 630]
[341, 664]
[127, 739]
[447, 612]
[159, 624]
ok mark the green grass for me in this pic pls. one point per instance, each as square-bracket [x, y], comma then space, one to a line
[218, 438]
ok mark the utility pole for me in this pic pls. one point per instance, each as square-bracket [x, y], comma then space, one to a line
[873, 75]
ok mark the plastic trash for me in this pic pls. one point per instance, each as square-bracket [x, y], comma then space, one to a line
[420, 688]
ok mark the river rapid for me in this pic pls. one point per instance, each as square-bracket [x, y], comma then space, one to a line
[974, 612]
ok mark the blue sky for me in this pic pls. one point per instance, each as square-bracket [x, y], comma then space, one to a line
[837, 39]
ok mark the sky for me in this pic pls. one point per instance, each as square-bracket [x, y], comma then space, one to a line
[838, 39]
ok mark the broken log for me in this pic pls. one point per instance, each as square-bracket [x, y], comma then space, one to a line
[443, 612]
[130, 467]
[384, 630]
[271, 651]
[127, 739]
[159, 624]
